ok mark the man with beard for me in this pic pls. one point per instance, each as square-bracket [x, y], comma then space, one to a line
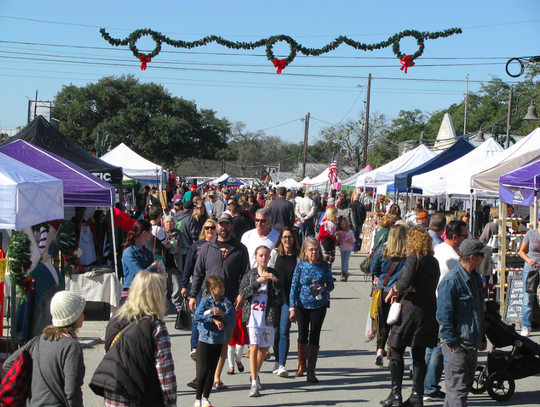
[227, 258]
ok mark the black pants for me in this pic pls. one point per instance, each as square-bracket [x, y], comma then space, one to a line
[418, 353]
[384, 328]
[310, 323]
[209, 355]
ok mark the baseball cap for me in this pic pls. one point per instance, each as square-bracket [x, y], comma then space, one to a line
[421, 215]
[472, 246]
[188, 205]
[212, 193]
[226, 191]
[178, 202]
[224, 217]
[193, 186]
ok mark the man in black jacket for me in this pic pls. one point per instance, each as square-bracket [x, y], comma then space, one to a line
[281, 211]
[227, 258]
[358, 215]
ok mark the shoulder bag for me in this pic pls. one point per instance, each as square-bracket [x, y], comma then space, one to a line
[365, 264]
[395, 309]
[376, 300]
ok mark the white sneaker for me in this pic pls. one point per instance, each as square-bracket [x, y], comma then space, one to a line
[276, 368]
[193, 354]
[525, 331]
[282, 372]
[254, 391]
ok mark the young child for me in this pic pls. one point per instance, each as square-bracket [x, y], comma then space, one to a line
[261, 290]
[236, 345]
[212, 315]
[345, 237]
[327, 235]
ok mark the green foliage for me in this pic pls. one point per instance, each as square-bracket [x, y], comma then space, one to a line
[144, 116]
[19, 261]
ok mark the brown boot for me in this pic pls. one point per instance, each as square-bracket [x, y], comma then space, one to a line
[313, 354]
[345, 277]
[302, 356]
[342, 277]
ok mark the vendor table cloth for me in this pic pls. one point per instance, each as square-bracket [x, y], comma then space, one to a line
[103, 288]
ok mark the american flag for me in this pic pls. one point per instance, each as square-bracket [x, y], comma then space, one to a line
[332, 174]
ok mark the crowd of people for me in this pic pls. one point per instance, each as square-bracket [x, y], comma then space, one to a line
[251, 262]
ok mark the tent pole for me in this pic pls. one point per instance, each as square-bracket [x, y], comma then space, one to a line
[114, 244]
[472, 213]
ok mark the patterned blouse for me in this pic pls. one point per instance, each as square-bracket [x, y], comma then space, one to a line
[302, 280]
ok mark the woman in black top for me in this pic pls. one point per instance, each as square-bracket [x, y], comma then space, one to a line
[283, 259]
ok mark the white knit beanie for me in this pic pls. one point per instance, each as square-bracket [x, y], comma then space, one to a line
[66, 307]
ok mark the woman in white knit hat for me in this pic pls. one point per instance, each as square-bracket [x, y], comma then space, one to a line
[58, 363]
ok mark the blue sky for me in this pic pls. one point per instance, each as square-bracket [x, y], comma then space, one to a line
[331, 88]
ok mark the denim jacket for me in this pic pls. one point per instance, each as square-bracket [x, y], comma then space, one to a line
[135, 260]
[459, 318]
[208, 331]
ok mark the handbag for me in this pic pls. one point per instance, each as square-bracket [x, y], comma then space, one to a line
[531, 282]
[184, 320]
[17, 382]
[395, 309]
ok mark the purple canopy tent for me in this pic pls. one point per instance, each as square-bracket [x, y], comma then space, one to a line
[520, 185]
[80, 187]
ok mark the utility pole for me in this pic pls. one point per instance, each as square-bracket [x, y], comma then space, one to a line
[364, 157]
[509, 120]
[306, 130]
[222, 166]
[466, 102]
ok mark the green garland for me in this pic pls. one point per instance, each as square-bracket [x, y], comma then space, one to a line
[269, 43]
[19, 262]
[68, 246]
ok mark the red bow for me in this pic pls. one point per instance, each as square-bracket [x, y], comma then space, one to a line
[144, 60]
[280, 65]
[406, 62]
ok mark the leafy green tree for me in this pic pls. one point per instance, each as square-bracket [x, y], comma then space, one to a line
[144, 116]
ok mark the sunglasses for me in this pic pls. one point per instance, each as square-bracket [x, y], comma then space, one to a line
[260, 220]
[209, 228]
[85, 311]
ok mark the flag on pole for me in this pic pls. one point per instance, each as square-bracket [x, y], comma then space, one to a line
[332, 174]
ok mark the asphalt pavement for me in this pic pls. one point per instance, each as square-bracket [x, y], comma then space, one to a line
[346, 366]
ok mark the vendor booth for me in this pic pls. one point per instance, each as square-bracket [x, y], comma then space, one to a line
[41, 133]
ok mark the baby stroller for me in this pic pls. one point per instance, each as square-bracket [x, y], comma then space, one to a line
[503, 368]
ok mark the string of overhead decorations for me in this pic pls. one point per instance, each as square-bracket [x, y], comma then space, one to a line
[295, 47]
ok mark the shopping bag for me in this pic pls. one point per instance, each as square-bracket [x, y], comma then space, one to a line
[531, 283]
[370, 334]
[184, 317]
[365, 264]
[16, 384]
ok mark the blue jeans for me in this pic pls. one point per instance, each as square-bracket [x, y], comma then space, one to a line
[309, 228]
[434, 370]
[282, 341]
[194, 328]
[345, 256]
[357, 243]
[528, 301]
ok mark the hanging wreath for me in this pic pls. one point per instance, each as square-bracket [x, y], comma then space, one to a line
[294, 47]
[19, 262]
[69, 248]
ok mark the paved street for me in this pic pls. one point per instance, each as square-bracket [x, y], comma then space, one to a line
[346, 369]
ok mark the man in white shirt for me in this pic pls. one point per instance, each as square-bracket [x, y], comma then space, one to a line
[305, 210]
[447, 255]
[262, 235]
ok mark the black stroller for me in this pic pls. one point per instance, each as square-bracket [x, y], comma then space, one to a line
[503, 368]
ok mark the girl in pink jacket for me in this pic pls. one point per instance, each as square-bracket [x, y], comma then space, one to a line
[345, 237]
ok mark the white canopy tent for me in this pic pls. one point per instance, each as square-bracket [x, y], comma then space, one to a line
[320, 182]
[387, 172]
[289, 183]
[134, 165]
[460, 183]
[29, 197]
[434, 182]
[352, 179]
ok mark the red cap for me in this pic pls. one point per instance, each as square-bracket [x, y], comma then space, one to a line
[193, 186]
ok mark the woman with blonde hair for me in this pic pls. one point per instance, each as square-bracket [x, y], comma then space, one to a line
[138, 368]
[417, 326]
[387, 263]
